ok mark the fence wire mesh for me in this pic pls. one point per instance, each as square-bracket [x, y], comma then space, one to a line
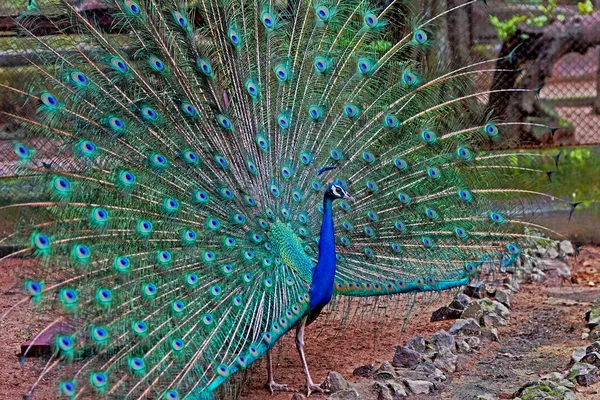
[555, 49]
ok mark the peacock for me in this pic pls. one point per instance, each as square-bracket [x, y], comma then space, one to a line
[209, 175]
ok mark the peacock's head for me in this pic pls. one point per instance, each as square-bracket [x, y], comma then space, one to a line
[336, 190]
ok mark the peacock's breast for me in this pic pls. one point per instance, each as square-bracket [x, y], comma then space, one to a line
[288, 246]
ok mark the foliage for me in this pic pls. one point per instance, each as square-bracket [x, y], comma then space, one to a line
[506, 29]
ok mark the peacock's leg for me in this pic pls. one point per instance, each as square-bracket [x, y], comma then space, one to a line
[271, 384]
[310, 385]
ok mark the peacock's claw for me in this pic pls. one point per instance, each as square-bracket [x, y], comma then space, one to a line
[311, 387]
[278, 387]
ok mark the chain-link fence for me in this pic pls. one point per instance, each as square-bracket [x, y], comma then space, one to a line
[555, 47]
[550, 53]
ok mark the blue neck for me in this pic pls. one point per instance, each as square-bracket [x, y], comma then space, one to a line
[321, 288]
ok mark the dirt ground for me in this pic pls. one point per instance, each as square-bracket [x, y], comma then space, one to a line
[547, 321]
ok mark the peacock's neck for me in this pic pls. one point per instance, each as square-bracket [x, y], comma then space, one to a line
[323, 276]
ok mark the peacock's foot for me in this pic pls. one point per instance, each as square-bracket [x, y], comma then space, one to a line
[311, 387]
[278, 387]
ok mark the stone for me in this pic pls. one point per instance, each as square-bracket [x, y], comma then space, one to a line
[419, 387]
[384, 376]
[442, 339]
[595, 333]
[475, 290]
[468, 325]
[492, 334]
[566, 247]
[512, 284]
[350, 394]
[383, 392]
[593, 317]
[446, 360]
[406, 357]
[413, 374]
[364, 370]
[334, 382]
[555, 268]
[494, 313]
[432, 371]
[298, 396]
[593, 347]
[591, 358]
[473, 311]
[397, 390]
[486, 397]
[584, 374]
[462, 346]
[417, 344]
[578, 354]
[543, 389]
[386, 367]
[460, 302]
[503, 296]
[552, 253]
[538, 276]
[473, 341]
[445, 313]
[541, 251]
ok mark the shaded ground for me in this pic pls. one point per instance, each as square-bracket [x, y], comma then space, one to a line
[546, 325]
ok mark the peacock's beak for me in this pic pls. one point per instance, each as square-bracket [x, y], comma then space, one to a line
[347, 196]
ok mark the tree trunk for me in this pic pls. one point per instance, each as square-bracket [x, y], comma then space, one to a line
[536, 50]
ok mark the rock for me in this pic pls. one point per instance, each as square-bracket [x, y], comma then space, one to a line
[555, 268]
[475, 290]
[593, 347]
[460, 302]
[414, 374]
[350, 394]
[591, 358]
[442, 339]
[462, 346]
[364, 370]
[492, 334]
[503, 296]
[335, 382]
[445, 313]
[593, 317]
[551, 253]
[473, 341]
[578, 354]
[486, 397]
[473, 311]
[566, 247]
[553, 376]
[384, 376]
[537, 275]
[512, 284]
[383, 393]
[432, 371]
[595, 333]
[298, 396]
[417, 344]
[468, 325]
[494, 313]
[419, 387]
[406, 357]
[397, 390]
[585, 335]
[445, 360]
[386, 367]
[541, 251]
[542, 389]
[584, 374]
